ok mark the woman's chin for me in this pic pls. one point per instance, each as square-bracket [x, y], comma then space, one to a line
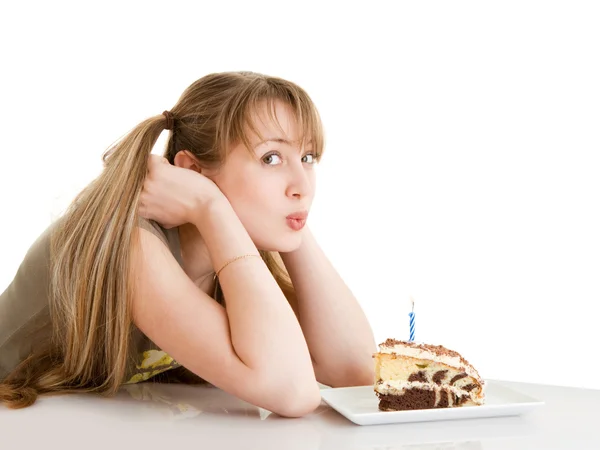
[284, 245]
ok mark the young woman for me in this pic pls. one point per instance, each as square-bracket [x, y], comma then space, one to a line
[193, 266]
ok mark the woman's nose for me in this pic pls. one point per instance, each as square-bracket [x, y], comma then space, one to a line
[299, 184]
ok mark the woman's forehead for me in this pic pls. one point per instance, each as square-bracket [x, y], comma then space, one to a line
[273, 132]
[276, 115]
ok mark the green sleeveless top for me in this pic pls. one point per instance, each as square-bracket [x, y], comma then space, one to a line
[25, 318]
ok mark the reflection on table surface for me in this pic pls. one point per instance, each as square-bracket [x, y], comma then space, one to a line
[151, 415]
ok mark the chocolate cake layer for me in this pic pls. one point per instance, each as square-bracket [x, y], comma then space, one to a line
[420, 398]
[411, 399]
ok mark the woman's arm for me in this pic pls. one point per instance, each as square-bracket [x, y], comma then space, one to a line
[255, 348]
[338, 333]
[264, 331]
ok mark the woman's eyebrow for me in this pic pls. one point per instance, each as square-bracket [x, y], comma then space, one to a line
[273, 139]
[279, 141]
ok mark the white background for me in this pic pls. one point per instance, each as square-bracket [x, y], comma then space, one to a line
[462, 152]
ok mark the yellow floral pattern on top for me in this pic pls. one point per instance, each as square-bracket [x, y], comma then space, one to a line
[153, 363]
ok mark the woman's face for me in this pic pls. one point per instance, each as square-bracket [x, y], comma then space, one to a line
[271, 189]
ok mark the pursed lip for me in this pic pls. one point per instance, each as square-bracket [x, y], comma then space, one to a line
[299, 215]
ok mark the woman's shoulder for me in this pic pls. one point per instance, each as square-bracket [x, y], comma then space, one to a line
[29, 284]
[24, 303]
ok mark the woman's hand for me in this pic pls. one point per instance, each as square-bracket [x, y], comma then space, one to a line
[172, 195]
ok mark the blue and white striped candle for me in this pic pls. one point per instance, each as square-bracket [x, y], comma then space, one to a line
[411, 316]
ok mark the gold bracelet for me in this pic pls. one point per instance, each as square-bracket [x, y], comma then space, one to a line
[234, 259]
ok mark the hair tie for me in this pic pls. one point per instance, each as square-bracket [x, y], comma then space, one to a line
[170, 121]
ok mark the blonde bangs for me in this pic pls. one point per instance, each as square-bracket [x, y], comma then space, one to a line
[238, 124]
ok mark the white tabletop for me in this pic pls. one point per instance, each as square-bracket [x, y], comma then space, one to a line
[149, 416]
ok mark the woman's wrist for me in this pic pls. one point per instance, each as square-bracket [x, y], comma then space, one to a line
[223, 232]
[208, 210]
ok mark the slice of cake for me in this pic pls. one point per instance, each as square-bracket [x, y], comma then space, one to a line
[421, 376]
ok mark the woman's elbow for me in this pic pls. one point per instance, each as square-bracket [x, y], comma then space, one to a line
[299, 402]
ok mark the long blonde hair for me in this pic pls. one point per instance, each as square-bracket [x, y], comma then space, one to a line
[90, 266]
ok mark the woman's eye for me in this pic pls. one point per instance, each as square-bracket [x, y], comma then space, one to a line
[272, 159]
[309, 158]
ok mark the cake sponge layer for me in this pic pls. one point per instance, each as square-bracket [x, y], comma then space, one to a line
[400, 371]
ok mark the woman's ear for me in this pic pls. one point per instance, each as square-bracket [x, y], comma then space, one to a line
[186, 160]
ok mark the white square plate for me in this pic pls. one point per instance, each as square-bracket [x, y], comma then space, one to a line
[360, 405]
